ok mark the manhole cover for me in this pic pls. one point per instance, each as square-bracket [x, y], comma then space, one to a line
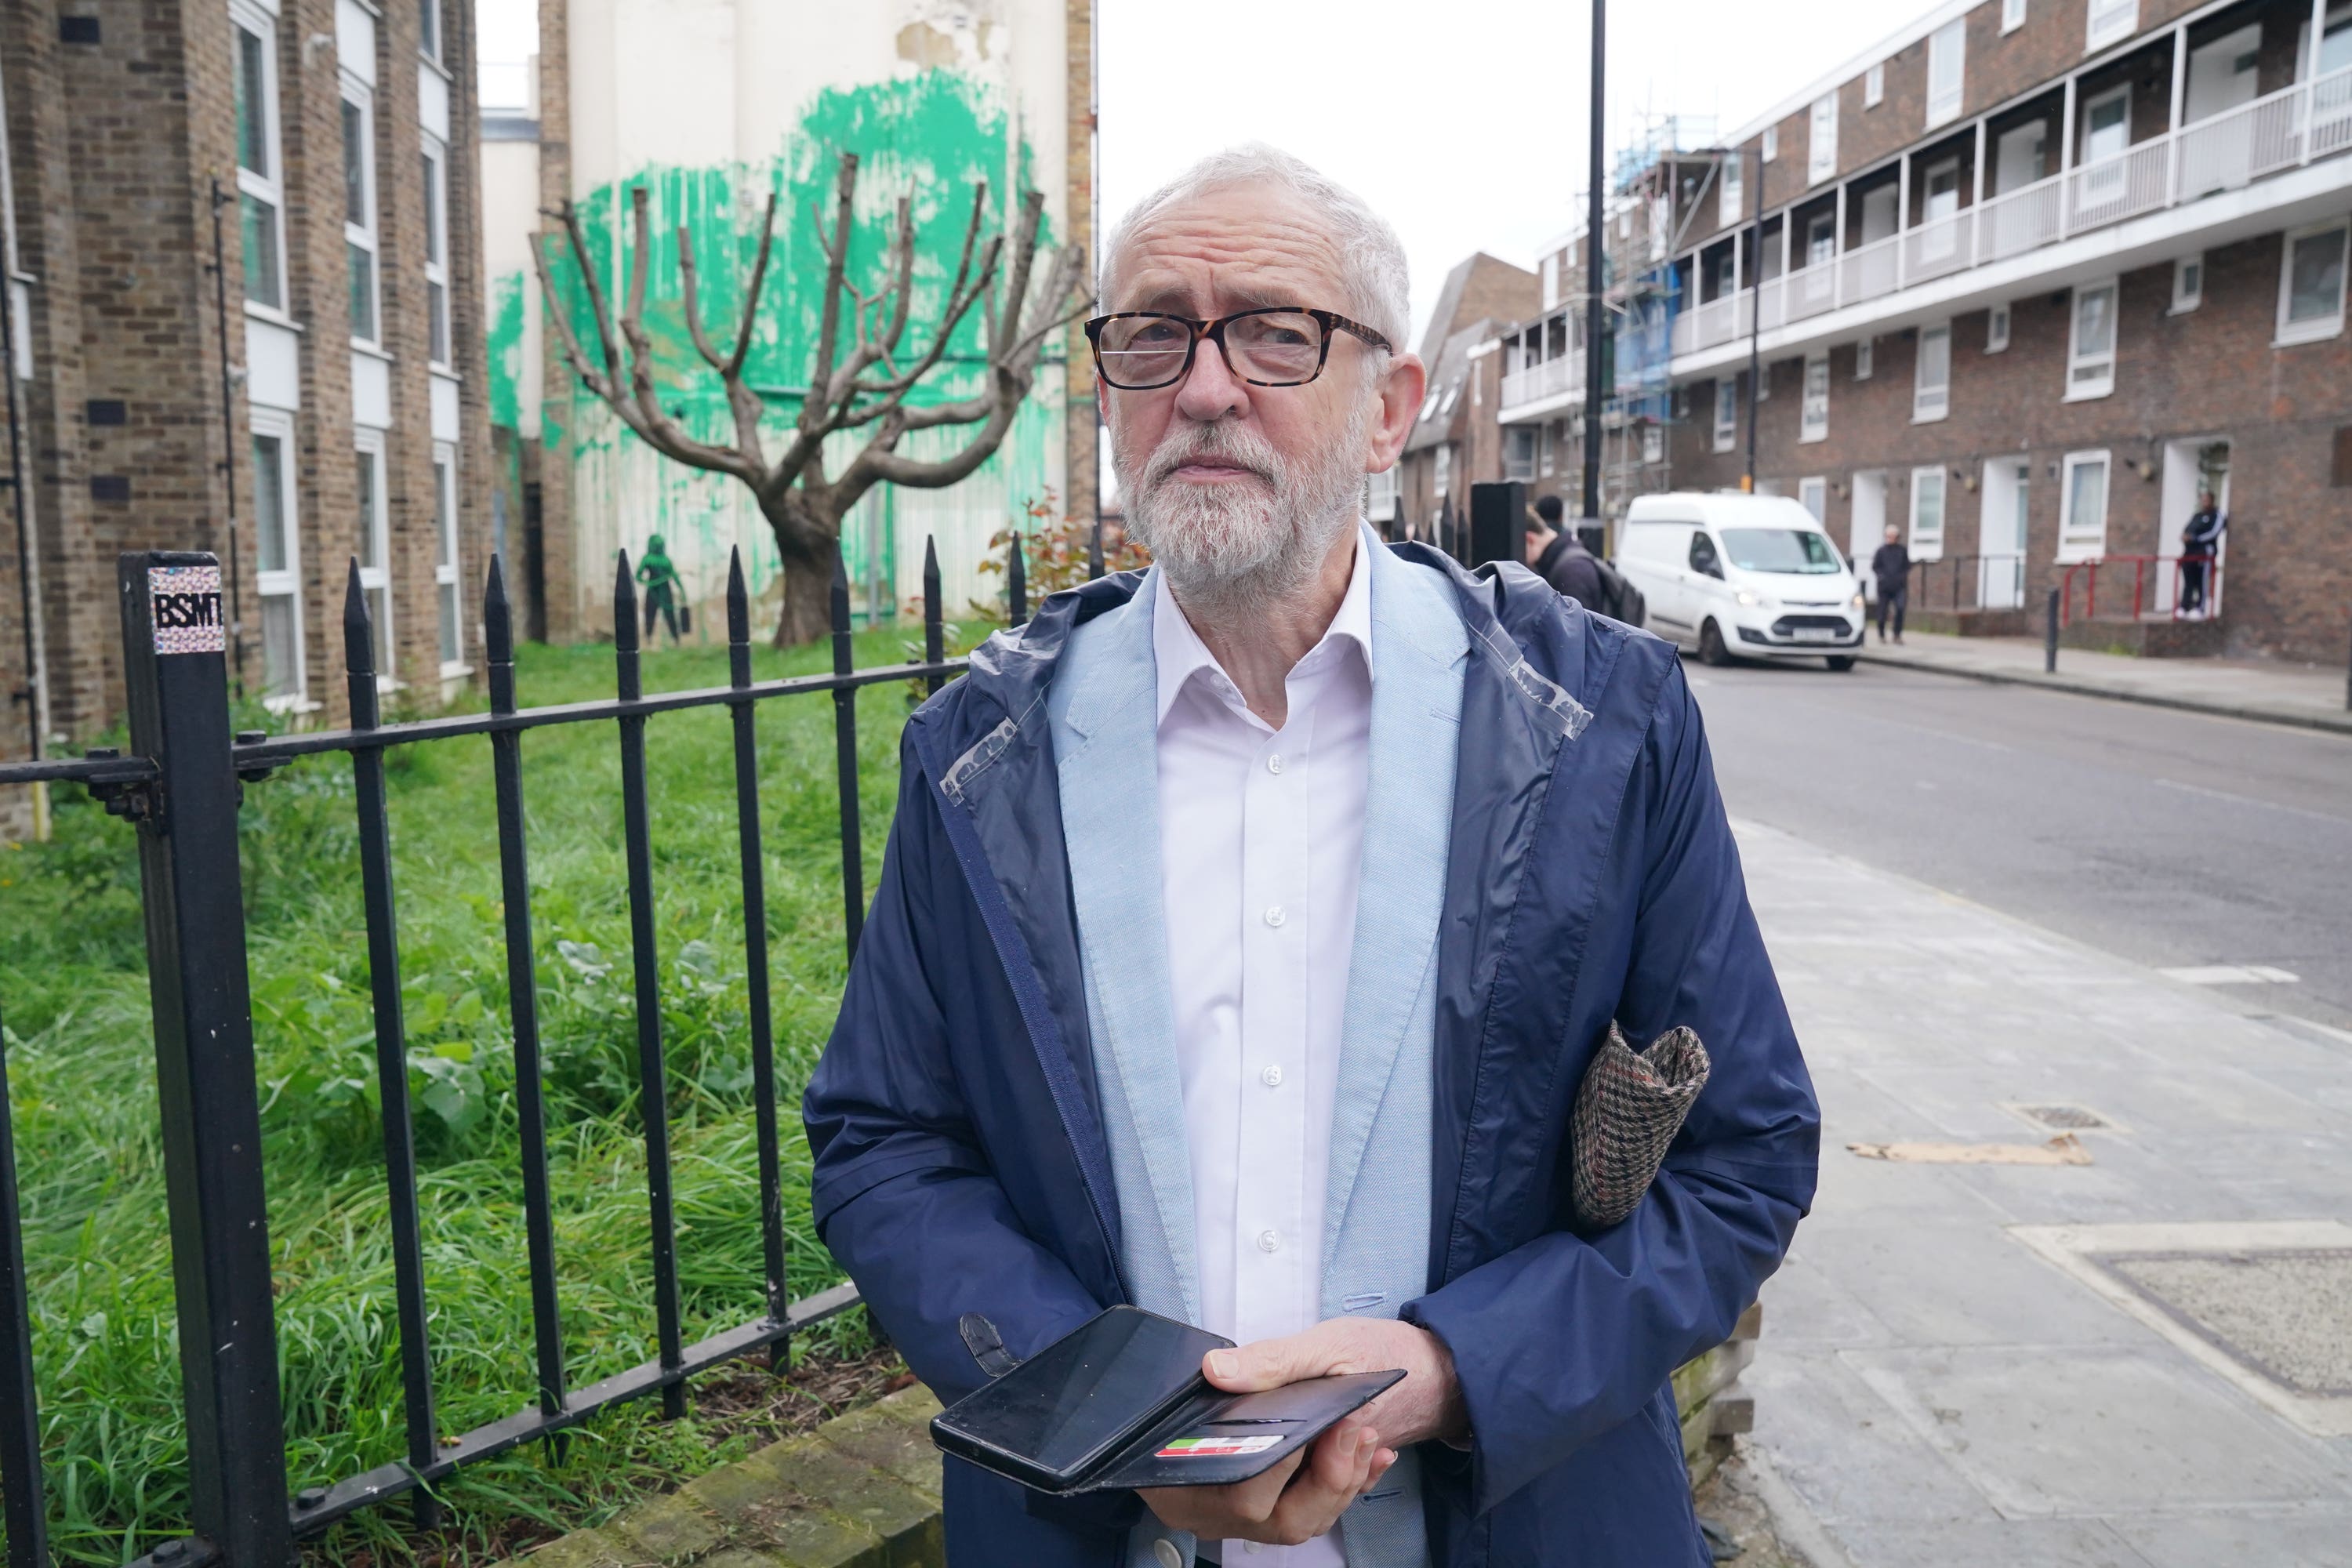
[2279, 1312]
[2060, 1118]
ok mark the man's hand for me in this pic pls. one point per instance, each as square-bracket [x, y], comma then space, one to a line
[1296, 1501]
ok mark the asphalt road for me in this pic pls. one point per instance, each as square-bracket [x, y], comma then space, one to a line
[2170, 838]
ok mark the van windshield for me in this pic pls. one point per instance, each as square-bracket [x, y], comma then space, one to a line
[1797, 550]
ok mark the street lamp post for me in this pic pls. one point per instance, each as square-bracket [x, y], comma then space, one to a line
[1592, 267]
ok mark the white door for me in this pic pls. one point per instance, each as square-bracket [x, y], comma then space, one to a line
[2189, 466]
[1869, 526]
[1878, 212]
[2022, 159]
[2001, 534]
[2221, 74]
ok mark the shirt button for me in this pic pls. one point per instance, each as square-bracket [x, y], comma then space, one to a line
[1272, 1076]
[1268, 1242]
[1168, 1553]
[1274, 762]
[1273, 915]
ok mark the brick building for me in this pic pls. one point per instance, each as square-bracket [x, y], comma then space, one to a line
[2022, 279]
[330, 146]
[1457, 421]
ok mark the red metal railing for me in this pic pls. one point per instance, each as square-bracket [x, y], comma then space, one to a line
[2148, 572]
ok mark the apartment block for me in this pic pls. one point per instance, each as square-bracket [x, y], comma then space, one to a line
[2022, 279]
[243, 244]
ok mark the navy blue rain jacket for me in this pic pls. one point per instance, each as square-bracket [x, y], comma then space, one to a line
[959, 1163]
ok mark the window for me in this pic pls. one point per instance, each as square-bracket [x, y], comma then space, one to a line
[1873, 86]
[2310, 285]
[2110, 20]
[1654, 444]
[2334, 43]
[2012, 15]
[1732, 200]
[1726, 413]
[1821, 156]
[1547, 442]
[1813, 495]
[358, 208]
[1815, 423]
[445, 556]
[1927, 514]
[1519, 452]
[2082, 507]
[1946, 52]
[276, 558]
[2188, 283]
[375, 552]
[1866, 358]
[428, 32]
[2091, 347]
[1995, 329]
[1772, 142]
[1931, 390]
[260, 196]
[1763, 382]
[1382, 494]
[437, 250]
[1445, 469]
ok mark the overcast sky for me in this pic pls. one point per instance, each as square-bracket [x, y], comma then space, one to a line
[1461, 120]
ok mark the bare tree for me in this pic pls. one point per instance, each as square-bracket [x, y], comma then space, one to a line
[861, 378]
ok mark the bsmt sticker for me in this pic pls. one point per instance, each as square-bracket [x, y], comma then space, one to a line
[185, 602]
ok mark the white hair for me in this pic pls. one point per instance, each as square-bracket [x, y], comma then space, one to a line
[1372, 258]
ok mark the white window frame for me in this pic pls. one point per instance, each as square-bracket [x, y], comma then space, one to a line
[1731, 192]
[2105, 21]
[2318, 328]
[448, 574]
[1726, 413]
[437, 252]
[1654, 444]
[285, 581]
[269, 188]
[432, 23]
[2012, 15]
[1931, 402]
[365, 236]
[1813, 495]
[1383, 494]
[374, 557]
[1929, 545]
[1997, 329]
[1873, 86]
[1772, 142]
[1546, 445]
[2188, 283]
[1442, 469]
[1764, 381]
[2100, 380]
[1813, 407]
[1519, 444]
[1821, 140]
[1866, 358]
[1947, 43]
[2073, 543]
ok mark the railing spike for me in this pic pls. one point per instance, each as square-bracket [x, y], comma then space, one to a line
[739, 599]
[934, 630]
[359, 639]
[498, 616]
[625, 603]
[1017, 581]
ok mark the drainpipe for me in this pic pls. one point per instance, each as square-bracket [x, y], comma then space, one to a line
[1756, 317]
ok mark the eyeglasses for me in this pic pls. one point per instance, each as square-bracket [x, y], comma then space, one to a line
[1273, 346]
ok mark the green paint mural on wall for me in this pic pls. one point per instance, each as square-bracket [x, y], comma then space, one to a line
[505, 349]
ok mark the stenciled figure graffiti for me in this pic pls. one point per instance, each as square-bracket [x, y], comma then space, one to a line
[661, 581]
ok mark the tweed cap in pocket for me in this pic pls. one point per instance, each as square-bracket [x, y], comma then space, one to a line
[1627, 1111]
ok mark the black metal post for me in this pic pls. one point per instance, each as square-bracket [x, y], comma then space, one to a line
[2347, 686]
[228, 444]
[1595, 271]
[934, 629]
[22, 1502]
[391, 1046]
[755, 954]
[845, 763]
[1017, 581]
[1754, 314]
[522, 1000]
[33, 737]
[653, 1077]
[2049, 638]
[176, 675]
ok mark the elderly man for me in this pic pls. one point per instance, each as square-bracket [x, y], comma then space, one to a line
[1246, 928]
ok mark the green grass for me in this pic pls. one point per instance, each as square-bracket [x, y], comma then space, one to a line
[74, 998]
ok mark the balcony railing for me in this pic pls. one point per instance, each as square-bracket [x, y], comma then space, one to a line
[2287, 127]
[1549, 379]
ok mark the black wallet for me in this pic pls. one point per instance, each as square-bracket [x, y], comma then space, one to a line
[1120, 1402]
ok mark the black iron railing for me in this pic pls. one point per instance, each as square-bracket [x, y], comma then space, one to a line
[181, 785]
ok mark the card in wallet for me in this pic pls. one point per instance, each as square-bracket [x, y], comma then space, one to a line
[1119, 1401]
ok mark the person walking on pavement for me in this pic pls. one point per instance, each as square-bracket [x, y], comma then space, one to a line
[1560, 558]
[1892, 567]
[2200, 545]
[661, 580]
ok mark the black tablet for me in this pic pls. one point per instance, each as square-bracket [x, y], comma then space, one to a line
[1119, 1401]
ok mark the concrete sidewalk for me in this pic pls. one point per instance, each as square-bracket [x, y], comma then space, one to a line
[2307, 695]
[2141, 1361]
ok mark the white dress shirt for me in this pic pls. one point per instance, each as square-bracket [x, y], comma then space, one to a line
[1261, 849]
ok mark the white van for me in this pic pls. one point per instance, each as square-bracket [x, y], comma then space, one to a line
[1742, 576]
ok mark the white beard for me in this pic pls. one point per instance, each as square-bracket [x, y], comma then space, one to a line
[1242, 545]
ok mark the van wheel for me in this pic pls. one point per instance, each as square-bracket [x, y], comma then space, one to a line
[1711, 650]
[1841, 662]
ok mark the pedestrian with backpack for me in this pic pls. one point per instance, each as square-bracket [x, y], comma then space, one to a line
[1560, 558]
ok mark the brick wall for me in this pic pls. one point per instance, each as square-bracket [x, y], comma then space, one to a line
[559, 533]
